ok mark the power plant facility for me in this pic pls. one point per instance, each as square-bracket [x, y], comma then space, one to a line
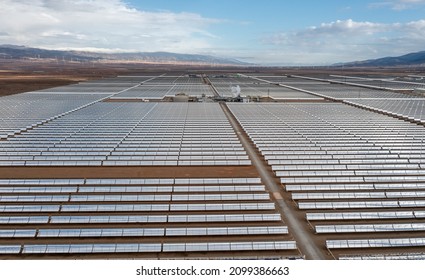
[215, 166]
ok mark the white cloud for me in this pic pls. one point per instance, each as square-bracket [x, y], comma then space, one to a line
[399, 4]
[101, 24]
[347, 40]
[113, 25]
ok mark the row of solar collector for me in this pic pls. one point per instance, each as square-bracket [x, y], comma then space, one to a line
[301, 161]
[346, 155]
[366, 172]
[137, 145]
[362, 204]
[144, 129]
[376, 215]
[352, 179]
[401, 256]
[100, 127]
[207, 197]
[356, 187]
[320, 136]
[125, 157]
[324, 146]
[381, 122]
[306, 126]
[375, 243]
[335, 148]
[139, 181]
[363, 228]
[150, 153]
[142, 232]
[147, 247]
[146, 132]
[132, 189]
[197, 231]
[357, 195]
[168, 134]
[131, 219]
[100, 148]
[136, 207]
[348, 143]
[317, 167]
[155, 136]
[216, 143]
[336, 137]
[397, 156]
[318, 140]
[133, 198]
[340, 173]
[127, 163]
[148, 126]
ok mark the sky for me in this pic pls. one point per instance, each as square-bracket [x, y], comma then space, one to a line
[267, 32]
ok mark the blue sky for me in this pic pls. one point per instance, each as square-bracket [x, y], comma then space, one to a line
[269, 32]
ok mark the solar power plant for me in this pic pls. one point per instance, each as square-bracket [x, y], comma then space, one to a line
[319, 171]
[258, 88]
[358, 177]
[410, 109]
[159, 87]
[417, 79]
[159, 91]
[379, 83]
[183, 79]
[231, 80]
[339, 91]
[400, 105]
[110, 86]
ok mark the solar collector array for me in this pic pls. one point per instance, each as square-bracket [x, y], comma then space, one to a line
[84, 227]
[356, 166]
[254, 87]
[401, 105]
[339, 91]
[159, 91]
[146, 248]
[385, 83]
[410, 109]
[23, 111]
[114, 134]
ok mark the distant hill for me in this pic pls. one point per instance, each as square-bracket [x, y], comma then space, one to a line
[22, 52]
[411, 59]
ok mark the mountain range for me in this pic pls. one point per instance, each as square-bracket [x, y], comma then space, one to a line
[23, 52]
[411, 59]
